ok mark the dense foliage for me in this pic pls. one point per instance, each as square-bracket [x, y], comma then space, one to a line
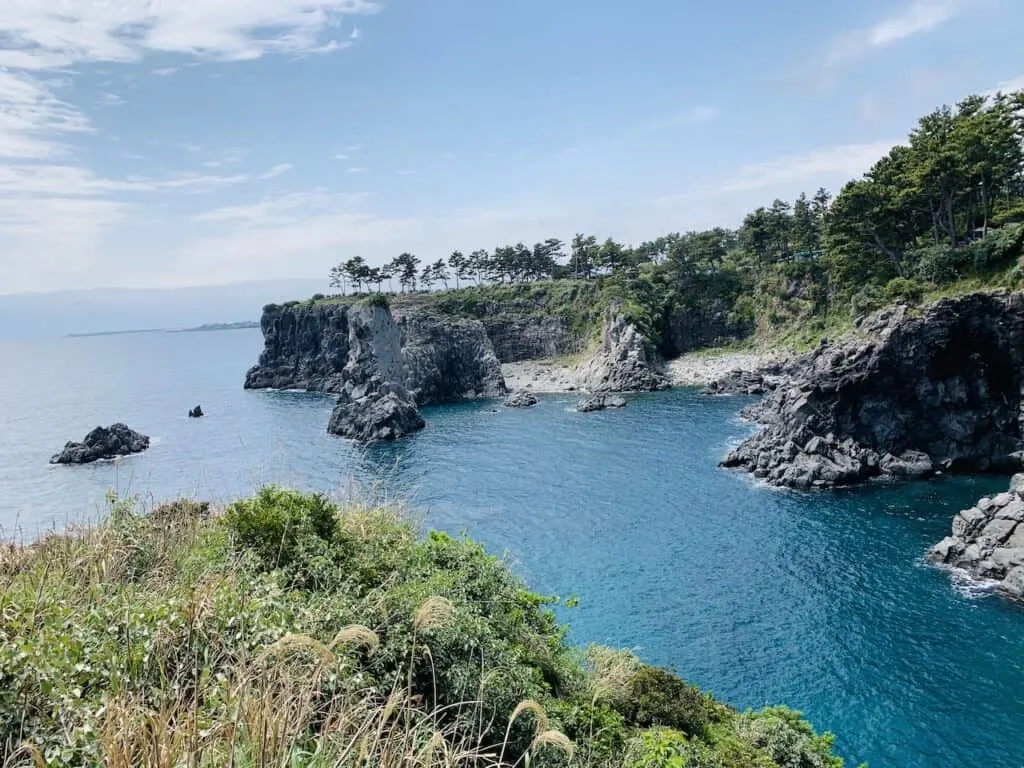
[289, 632]
[944, 208]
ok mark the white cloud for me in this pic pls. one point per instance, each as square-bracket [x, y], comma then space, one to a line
[277, 170]
[165, 71]
[355, 170]
[32, 118]
[844, 161]
[111, 100]
[919, 17]
[38, 33]
[1007, 86]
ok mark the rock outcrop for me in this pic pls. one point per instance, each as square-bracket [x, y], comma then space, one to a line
[380, 365]
[196, 413]
[103, 443]
[621, 362]
[910, 393]
[521, 399]
[600, 402]
[987, 541]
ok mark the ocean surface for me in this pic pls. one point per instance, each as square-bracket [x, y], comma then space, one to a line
[817, 601]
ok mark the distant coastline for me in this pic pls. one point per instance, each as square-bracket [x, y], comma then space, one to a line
[199, 328]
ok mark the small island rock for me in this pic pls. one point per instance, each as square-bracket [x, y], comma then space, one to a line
[103, 443]
[600, 403]
[521, 400]
[196, 413]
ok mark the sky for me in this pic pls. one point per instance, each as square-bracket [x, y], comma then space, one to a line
[167, 143]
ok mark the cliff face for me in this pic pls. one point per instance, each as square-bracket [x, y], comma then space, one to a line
[697, 328]
[908, 395]
[325, 347]
[380, 366]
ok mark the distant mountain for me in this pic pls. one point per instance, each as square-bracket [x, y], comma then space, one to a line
[107, 310]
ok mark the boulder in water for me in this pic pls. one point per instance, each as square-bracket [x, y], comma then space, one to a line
[600, 403]
[196, 413]
[381, 412]
[103, 443]
[521, 400]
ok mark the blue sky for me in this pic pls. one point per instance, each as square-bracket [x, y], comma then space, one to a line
[158, 143]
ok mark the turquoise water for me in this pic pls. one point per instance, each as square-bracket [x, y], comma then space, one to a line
[818, 601]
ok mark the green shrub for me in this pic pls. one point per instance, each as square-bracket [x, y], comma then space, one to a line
[867, 299]
[939, 263]
[378, 299]
[658, 697]
[788, 739]
[903, 289]
[282, 526]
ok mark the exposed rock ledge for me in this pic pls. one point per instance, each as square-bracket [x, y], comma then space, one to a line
[909, 394]
[988, 541]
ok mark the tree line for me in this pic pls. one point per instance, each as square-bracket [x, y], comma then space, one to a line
[915, 213]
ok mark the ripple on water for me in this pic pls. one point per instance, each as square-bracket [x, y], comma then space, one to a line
[816, 600]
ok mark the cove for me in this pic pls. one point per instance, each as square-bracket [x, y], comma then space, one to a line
[816, 600]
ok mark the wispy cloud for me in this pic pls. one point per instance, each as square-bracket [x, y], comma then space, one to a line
[165, 71]
[111, 100]
[844, 161]
[918, 17]
[355, 170]
[277, 170]
[1007, 86]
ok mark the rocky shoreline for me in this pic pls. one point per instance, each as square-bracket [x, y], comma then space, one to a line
[910, 393]
[383, 365]
[987, 542]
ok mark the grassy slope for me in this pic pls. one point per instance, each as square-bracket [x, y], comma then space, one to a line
[287, 632]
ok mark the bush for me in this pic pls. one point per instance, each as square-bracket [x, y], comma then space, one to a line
[318, 297]
[939, 263]
[903, 289]
[378, 300]
[788, 739]
[282, 526]
[867, 299]
[658, 697]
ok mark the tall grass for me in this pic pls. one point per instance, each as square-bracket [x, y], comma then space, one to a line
[182, 639]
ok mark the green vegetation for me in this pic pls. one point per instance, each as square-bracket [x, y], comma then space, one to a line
[289, 632]
[941, 214]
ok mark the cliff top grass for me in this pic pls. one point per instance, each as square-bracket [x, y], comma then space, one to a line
[289, 631]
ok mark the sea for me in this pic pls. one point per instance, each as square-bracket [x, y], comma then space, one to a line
[820, 601]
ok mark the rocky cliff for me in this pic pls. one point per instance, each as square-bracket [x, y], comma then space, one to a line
[621, 362]
[987, 541]
[381, 365]
[910, 393]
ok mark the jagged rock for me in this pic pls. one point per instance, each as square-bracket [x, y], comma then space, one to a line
[103, 443]
[621, 362]
[600, 403]
[910, 394]
[987, 541]
[383, 413]
[381, 365]
[522, 399]
[196, 413]
[738, 383]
